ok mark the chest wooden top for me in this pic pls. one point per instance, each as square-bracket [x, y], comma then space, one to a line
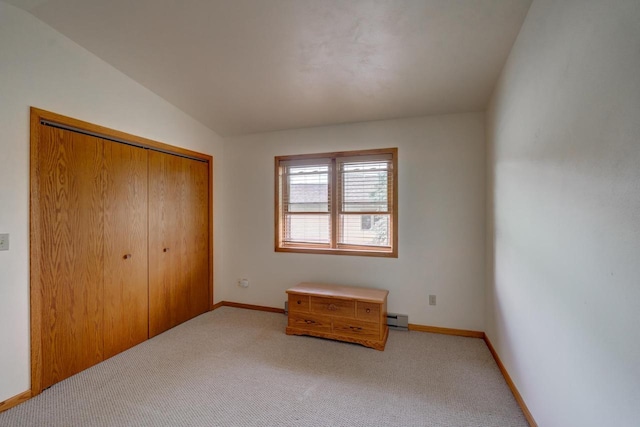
[340, 292]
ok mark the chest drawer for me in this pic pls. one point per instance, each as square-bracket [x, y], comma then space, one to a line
[298, 302]
[309, 322]
[368, 311]
[356, 328]
[333, 306]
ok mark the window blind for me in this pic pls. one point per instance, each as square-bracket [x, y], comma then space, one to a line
[306, 202]
[365, 201]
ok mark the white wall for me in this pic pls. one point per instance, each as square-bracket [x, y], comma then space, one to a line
[563, 294]
[39, 67]
[441, 218]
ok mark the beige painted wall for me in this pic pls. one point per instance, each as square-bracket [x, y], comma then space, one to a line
[563, 289]
[441, 218]
[39, 67]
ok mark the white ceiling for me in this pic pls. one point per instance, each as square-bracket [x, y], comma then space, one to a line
[243, 66]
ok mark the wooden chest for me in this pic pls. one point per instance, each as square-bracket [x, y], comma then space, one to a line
[345, 313]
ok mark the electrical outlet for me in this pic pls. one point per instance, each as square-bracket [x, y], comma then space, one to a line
[4, 242]
[432, 300]
[243, 283]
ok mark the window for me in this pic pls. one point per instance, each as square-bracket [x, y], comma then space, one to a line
[338, 203]
[365, 223]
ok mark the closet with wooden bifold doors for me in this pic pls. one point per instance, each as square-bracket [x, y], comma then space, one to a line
[120, 242]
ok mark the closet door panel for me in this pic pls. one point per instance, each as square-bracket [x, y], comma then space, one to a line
[178, 240]
[126, 305]
[181, 290]
[164, 241]
[196, 227]
[71, 246]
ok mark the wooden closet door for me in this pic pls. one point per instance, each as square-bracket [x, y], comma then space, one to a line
[196, 234]
[178, 240]
[126, 301]
[71, 262]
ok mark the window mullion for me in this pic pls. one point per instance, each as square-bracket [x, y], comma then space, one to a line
[333, 190]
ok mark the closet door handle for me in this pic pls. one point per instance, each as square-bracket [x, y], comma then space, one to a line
[127, 256]
[165, 250]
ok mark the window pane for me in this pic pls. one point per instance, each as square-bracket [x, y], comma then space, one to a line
[307, 229]
[341, 203]
[308, 188]
[365, 187]
[370, 230]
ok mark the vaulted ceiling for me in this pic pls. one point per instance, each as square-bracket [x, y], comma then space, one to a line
[243, 66]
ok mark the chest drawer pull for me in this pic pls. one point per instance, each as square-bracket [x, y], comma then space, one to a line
[355, 328]
[368, 310]
[332, 307]
[309, 322]
[299, 302]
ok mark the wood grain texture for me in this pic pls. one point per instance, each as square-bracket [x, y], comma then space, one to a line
[197, 235]
[126, 306]
[163, 221]
[217, 305]
[211, 232]
[66, 317]
[179, 257]
[331, 311]
[394, 197]
[277, 213]
[446, 331]
[333, 306]
[375, 344]
[71, 262]
[340, 292]
[357, 328]
[112, 133]
[15, 400]
[368, 311]
[35, 256]
[330, 251]
[44, 333]
[372, 152]
[249, 307]
[310, 322]
[299, 302]
[512, 386]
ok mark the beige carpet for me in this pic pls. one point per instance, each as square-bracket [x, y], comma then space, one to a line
[235, 367]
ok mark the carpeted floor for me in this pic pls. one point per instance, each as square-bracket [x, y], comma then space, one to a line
[235, 367]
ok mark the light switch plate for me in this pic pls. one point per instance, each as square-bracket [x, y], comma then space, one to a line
[4, 242]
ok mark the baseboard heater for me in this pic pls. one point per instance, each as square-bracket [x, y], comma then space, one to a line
[397, 321]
